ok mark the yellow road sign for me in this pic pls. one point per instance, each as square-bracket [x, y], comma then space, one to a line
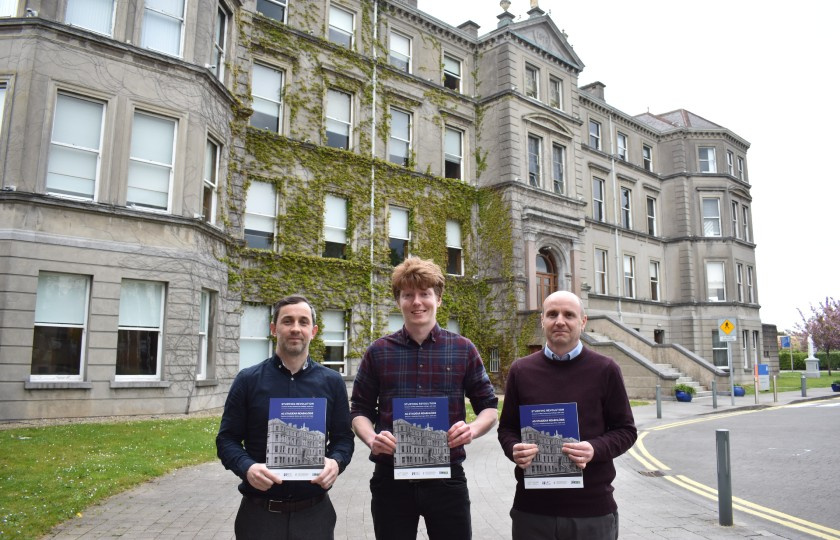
[727, 326]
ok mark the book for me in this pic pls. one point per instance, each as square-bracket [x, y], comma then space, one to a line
[297, 435]
[549, 426]
[421, 428]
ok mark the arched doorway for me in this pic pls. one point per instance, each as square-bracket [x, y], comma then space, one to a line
[546, 275]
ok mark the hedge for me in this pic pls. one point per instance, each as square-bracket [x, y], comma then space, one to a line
[799, 360]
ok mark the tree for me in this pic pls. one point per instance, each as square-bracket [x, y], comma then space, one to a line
[823, 326]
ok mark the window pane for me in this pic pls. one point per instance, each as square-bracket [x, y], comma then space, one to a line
[95, 15]
[275, 9]
[453, 234]
[332, 325]
[266, 82]
[140, 304]
[162, 24]
[715, 281]
[400, 143]
[253, 335]
[533, 161]
[395, 323]
[61, 299]
[454, 265]
[558, 168]
[338, 106]
[341, 27]
[398, 223]
[335, 219]
[260, 199]
[452, 144]
[57, 350]
[453, 326]
[148, 185]
[72, 172]
[78, 122]
[152, 138]
[8, 8]
[137, 352]
[400, 56]
[338, 119]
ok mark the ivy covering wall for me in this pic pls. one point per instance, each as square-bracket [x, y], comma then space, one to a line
[303, 173]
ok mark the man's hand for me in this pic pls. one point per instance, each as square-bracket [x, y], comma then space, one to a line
[328, 476]
[460, 433]
[261, 478]
[580, 453]
[383, 443]
[524, 453]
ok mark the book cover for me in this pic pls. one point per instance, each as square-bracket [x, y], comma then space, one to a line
[421, 426]
[549, 426]
[297, 435]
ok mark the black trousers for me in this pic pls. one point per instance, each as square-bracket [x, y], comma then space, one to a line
[396, 506]
[256, 522]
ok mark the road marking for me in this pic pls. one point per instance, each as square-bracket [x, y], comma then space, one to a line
[703, 419]
[793, 522]
[646, 459]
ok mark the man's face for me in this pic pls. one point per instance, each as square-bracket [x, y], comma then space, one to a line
[419, 307]
[562, 321]
[294, 330]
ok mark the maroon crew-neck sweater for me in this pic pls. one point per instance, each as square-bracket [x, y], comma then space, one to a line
[605, 420]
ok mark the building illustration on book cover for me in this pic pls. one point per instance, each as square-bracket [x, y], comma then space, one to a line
[420, 427]
[549, 426]
[296, 437]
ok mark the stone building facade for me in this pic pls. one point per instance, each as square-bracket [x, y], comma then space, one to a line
[170, 172]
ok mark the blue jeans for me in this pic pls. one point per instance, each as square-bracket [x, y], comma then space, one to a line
[396, 506]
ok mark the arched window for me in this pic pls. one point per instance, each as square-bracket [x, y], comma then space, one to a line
[546, 275]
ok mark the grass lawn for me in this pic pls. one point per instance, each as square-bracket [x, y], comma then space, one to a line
[792, 380]
[49, 474]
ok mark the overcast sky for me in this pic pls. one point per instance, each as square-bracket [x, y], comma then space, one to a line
[768, 71]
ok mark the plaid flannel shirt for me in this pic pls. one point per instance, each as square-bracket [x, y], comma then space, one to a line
[444, 365]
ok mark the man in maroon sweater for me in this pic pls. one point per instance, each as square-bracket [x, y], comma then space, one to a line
[565, 372]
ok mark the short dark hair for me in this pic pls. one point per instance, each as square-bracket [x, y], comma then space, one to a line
[289, 301]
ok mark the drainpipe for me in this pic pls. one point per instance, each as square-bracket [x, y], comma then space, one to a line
[372, 158]
[619, 282]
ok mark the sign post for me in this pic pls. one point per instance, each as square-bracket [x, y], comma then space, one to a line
[786, 345]
[727, 334]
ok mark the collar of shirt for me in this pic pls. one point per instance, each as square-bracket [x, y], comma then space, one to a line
[433, 335]
[568, 356]
[279, 363]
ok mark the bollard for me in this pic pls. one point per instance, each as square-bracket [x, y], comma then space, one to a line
[804, 386]
[755, 386]
[775, 391]
[724, 473]
[714, 394]
[658, 401]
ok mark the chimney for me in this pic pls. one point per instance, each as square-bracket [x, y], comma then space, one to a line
[470, 28]
[595, 89]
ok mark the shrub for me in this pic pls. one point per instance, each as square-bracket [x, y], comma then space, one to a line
[684, 388]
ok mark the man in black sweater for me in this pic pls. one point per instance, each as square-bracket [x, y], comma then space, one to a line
[565, 372]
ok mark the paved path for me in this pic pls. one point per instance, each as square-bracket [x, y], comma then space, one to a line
[200, 502]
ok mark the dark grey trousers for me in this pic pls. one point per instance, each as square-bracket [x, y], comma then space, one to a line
[537, 527]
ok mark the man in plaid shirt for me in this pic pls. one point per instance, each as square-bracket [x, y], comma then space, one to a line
[420, 360]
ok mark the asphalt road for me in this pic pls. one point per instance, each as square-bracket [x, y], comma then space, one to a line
[786, 459]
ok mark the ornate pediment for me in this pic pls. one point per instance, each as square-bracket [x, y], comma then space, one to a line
[542, 33]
